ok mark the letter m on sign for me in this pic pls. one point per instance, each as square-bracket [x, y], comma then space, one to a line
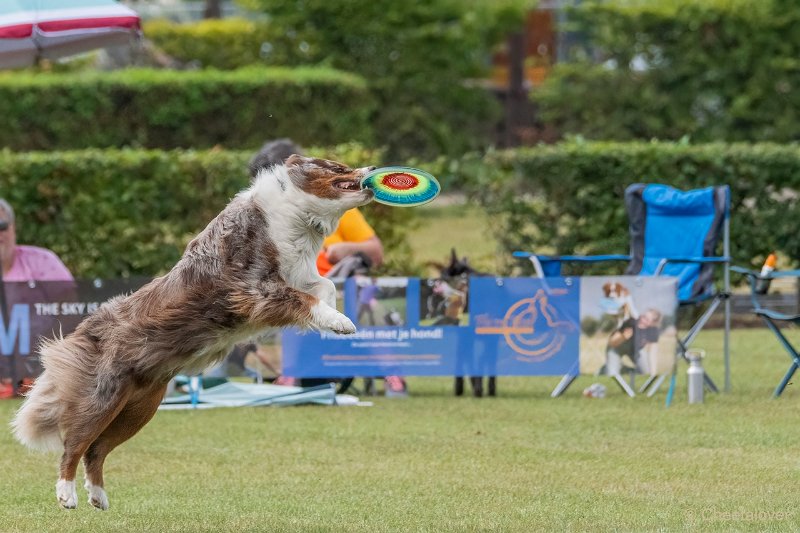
[19, 327]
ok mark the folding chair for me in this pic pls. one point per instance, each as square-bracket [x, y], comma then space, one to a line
[673, 233]
[772, 318]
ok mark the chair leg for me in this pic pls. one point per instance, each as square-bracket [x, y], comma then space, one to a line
[656, 385]
[624, 385]
[683, 344]
[565, 382]
[786, 378]
[650, 379]
[792, 353]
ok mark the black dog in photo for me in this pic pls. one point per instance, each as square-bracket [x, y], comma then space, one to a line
[455, 303]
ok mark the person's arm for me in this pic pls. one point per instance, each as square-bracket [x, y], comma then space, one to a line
[372, 248]
[620, 336]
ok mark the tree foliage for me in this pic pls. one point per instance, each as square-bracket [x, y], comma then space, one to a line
[713, 70]
[417, 58]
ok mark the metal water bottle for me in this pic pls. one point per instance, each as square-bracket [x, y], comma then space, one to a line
[695, 375]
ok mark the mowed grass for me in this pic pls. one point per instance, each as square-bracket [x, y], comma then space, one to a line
[434, 462]
[458, 225]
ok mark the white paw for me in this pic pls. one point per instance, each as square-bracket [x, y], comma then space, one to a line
[97, 496]
[325, 317]
[66, 494]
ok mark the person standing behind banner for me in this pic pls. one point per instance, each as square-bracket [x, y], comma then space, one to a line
[23, 263]
[26, 263]
[352, 236]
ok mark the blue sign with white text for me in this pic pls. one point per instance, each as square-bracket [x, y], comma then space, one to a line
[445, 327]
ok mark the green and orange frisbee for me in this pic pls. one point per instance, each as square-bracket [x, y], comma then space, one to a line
[401, 186]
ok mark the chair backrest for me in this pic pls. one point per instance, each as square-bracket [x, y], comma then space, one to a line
[667, 223]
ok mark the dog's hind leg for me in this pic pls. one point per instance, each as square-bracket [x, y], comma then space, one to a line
[80, 430]
[133, 417]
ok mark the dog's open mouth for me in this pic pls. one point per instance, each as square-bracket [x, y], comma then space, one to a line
[348, 185]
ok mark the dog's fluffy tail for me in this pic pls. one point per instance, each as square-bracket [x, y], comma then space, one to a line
[36, 424]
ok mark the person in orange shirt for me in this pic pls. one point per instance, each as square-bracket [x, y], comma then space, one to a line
[353, 235]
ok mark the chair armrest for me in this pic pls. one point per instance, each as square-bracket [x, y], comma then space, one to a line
[772, 275]
[550, 265]
[572, 258]
[700, 260]
[754, 277]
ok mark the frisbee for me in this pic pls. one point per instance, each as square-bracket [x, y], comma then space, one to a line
[401, 186]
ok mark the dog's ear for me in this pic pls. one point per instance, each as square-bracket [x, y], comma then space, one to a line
[296, 160]
[607, 288]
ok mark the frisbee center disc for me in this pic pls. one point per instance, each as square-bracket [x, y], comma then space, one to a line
[400, 181]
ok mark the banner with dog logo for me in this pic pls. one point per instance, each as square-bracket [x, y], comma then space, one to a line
[494, 326]
[464, 326]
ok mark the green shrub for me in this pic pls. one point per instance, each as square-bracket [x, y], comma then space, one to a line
[115, 213]
[416, 57]
[189, 109]
[226, 43]
[569, 198]
[714, 70]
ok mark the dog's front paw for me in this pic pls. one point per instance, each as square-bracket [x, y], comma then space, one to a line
[66, 494]
[324, 317]
[343, 325]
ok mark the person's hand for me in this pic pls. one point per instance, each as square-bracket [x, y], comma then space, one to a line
[336, 252]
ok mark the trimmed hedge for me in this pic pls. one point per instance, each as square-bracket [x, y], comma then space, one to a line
[716, 70]
[112, 213]
[416, 57]
[568, 198]
[226, 44]
[189, 109]
[118, 213]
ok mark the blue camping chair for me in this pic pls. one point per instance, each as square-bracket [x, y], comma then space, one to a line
[774, 318]
[672, 233]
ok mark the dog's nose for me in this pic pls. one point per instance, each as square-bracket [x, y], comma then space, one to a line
[370, 169]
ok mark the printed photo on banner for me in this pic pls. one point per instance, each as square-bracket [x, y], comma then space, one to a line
[627, 325]
[381, 301]
[444, 302]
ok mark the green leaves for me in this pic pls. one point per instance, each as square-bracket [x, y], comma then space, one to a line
[721, 70]
[116, 213]
[170, 109]
[568, 198]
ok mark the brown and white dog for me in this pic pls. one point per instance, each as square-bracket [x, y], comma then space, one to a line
[251, 268]
[620, 295]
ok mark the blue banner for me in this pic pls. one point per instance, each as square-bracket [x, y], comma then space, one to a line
[446, 327]
[494, 326]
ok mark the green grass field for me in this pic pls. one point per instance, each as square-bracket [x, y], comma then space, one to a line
[466, 227]
[434, 462]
